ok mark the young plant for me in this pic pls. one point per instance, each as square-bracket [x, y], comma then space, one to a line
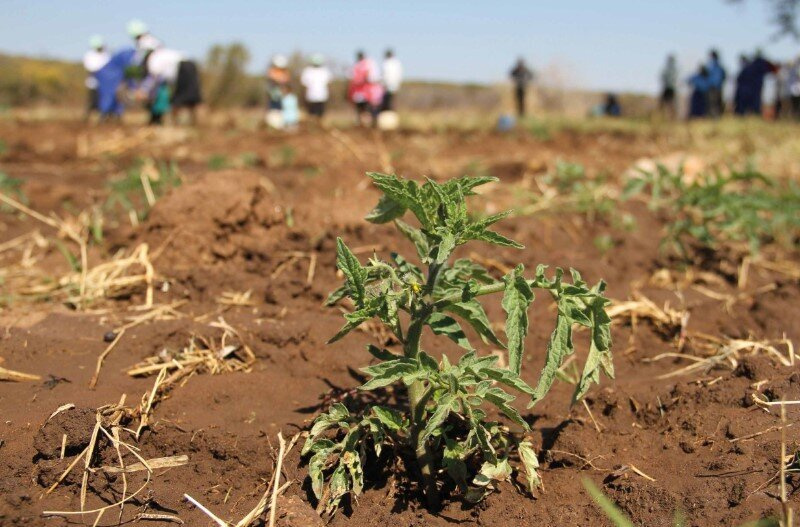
[144, 183]
[445, 423]
[736, 206]
[12, 187]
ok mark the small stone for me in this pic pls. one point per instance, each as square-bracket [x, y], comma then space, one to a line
[109, 336]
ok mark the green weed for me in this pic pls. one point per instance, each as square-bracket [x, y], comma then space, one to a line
[218, 162]
[735, 206]
[445, 421]
[144, 183]
[11, 187]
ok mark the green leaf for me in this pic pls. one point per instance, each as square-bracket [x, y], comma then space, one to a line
[388, 372]
[559, 347]
[356, 275]
[356, 318]
[337, 414]
[405, 193]
[472, 312]
[416, 237]
[316, 467]
[386, 210]
[516, 299]
[509, 378]
[339, 487]
[391, 419]
[498, 239]
[453, 461]
[609, 508]
[439, 415]
[599, 357]
[530, 463]
[499, 398]
[442, 324]
[446, 246]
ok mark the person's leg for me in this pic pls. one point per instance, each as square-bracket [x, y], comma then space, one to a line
[388, 101]
[521, 101]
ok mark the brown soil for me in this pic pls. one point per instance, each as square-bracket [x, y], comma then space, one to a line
[252, 228]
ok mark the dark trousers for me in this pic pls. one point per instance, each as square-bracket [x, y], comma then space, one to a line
[715, 103]
[388, 101]
[796, 106]
[519, 94]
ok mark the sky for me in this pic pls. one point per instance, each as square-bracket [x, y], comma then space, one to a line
[616, 45]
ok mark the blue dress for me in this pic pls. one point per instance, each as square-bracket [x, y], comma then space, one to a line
[109, 78]
[698, 105]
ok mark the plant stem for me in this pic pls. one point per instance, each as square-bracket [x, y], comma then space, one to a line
[418, 398]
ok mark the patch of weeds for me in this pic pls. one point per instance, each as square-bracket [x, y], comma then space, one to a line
[283, 157]
[249, 159]
[218, 162]
[538, 129]
[604, 243]
[144, 183]
[312, 171]
[722, 207]
[11, 187]
[445, 421]
[569, 188]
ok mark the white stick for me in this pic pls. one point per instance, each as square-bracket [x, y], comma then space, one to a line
[206, 511]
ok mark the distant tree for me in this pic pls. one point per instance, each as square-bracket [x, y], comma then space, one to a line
[784, 16]
[225, 74]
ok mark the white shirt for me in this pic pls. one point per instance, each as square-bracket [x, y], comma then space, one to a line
[93, 60]
[392, 74]
[163, 63]
[316, 80]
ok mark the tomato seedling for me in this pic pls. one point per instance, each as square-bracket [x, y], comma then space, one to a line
[444, 423]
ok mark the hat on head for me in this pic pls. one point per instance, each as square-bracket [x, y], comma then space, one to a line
[280, 61]
[96, 42]
[136, 28]
[317, 59]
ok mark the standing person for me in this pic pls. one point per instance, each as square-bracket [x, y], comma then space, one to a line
[392, 75]
[169, 76]
[740, 94]
[794, 88]
[716, 80]
[521, 75]
[669, 87]
[93, 61]
[754, 75]
[701, 84]
[278, 77]
[315, 78]
[363, 88]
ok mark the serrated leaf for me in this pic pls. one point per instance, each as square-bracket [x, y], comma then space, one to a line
[599, 358]
[386, 210]
[339, 487]
[337, 413]
[473, 313]
[316, 467]
[404, 192]
[509, 378]
[391, 419]
[356, 318]
[558, 348]
[517, 297]
[442, 324]
[388, 372]
[355, 274]
[446, 246]
[499, 398]
[498, 239]
[453, 461]
[530, 464]
[416, 237]
[439, 415]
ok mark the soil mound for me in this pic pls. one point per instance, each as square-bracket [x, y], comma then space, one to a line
[221, 216]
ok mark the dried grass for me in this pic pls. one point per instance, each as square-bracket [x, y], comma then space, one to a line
[109, 425]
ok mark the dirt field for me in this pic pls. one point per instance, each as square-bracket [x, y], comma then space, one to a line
[243, 253]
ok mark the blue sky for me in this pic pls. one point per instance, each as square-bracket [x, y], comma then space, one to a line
[611, 45]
